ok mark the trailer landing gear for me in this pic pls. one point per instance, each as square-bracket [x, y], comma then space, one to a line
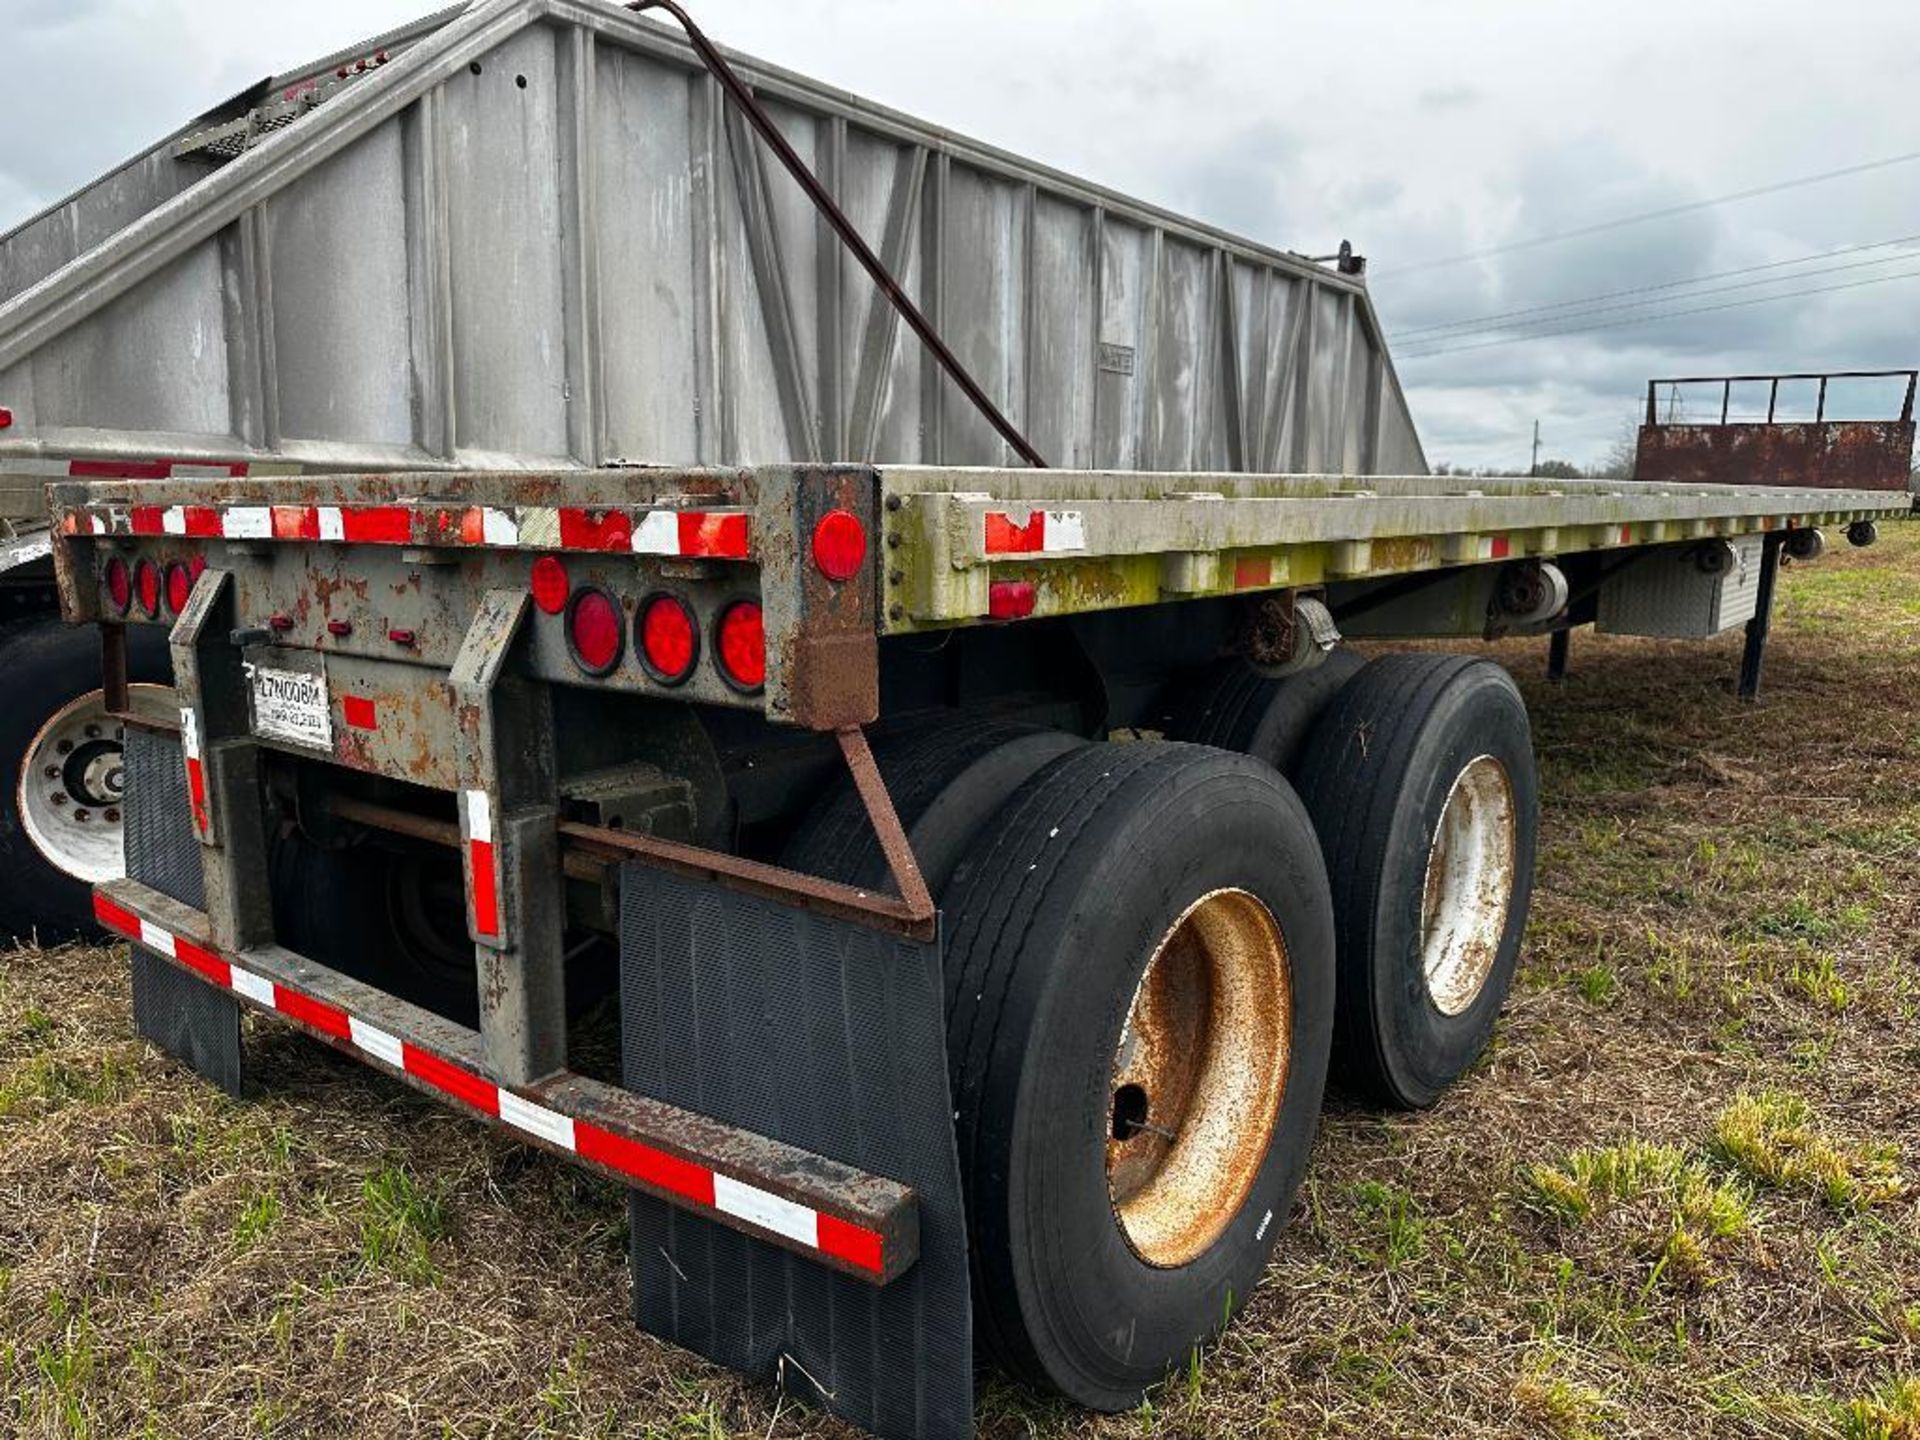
[1754, 657]
[1558, 648]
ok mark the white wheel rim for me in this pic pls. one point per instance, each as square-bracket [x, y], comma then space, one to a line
[69, 791]
[1468, 890]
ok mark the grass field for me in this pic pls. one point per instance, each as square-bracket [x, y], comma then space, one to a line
[1676, 1198]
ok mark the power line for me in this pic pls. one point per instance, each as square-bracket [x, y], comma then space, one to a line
[1662, 315]
[1666, 213]
[1478, 322]
[1647, 304]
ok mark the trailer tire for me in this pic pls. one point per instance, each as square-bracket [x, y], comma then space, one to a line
[1421, 782]
[54, 670]
[946, 782]
[1096, 1266]
[1234, 707]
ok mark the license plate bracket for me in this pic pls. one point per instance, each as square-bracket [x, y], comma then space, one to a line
[289, 701]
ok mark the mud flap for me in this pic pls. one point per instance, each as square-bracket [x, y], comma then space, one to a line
[826, 1035]
[185, 1017]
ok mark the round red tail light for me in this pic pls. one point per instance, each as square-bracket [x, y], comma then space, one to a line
[669, 639]
[550, 587]
[839, 545]
[179, 587]
[146, 580]
[742, 636]
[119, 584]
[595, 630]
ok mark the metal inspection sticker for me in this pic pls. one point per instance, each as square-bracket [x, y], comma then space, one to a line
[291, 705]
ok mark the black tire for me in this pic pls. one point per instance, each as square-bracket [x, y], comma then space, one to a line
[946, 782]
[396, 917]
[1376, 776]
[48, 664]
[348, 908]
[1233, 707]
[1052, 920]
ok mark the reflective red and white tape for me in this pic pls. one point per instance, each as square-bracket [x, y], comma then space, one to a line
[1041, 532]
[196, 768]
[134, 469]
[681, 534]
[686, 1181]
[484, 885]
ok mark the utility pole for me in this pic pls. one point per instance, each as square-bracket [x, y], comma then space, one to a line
[1534, 469]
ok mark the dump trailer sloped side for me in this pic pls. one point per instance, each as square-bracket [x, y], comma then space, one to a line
[539, 233]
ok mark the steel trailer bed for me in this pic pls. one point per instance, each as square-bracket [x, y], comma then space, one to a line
[342, 390]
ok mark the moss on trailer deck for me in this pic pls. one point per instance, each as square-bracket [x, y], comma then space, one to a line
[1678, 1196]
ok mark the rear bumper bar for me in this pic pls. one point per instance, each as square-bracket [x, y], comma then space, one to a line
[844, 1218]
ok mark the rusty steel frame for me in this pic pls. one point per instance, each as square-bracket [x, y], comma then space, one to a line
[803, 1177]
[1823, 453]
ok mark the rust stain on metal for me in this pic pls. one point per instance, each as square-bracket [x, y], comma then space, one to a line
[1267, 631]
[815, 1181]
[829, 652]
[1828, 455]
[1468, 886]
[1198, 1077]
[879, 912]
[905, 870]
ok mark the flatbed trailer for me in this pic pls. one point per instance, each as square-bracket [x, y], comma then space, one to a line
[987, 866]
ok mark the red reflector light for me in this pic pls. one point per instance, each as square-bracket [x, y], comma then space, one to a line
[669, 639]
[550, 585]
[146, 580]
[742, 635]
[179, 587]
[839, 545]
[595, 630]
[1010, 599]
[119, 584]
[6, 418]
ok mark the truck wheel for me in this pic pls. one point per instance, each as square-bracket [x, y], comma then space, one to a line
[393, 918]
[946, 782]
[1140, 978]
[60, 829]
[1235, 708]
[1420, 779]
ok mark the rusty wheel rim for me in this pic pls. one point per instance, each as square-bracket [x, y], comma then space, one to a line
[1468, 889]
[1198, 1077]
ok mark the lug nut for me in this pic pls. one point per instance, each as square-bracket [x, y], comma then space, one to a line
[53, 772]
[65, 747]
[59, 799]
[83, 816]
[112, 817]
[93, 732]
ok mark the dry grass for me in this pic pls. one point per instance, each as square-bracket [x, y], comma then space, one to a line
[1674, 1199]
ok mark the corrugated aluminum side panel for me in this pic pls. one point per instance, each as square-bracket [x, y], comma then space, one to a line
[540, 236]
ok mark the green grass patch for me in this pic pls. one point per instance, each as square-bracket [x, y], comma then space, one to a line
[401, 1221]
[1771, 1137]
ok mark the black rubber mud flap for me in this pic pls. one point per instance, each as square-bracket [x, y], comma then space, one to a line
[184, 1016]
[826, 1035]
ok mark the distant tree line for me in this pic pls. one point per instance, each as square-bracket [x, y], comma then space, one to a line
[1616, 463]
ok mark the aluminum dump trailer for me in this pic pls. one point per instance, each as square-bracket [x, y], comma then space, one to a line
[573, 475]
[535, 236]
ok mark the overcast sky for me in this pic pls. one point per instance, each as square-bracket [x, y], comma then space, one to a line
[1419, 130]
